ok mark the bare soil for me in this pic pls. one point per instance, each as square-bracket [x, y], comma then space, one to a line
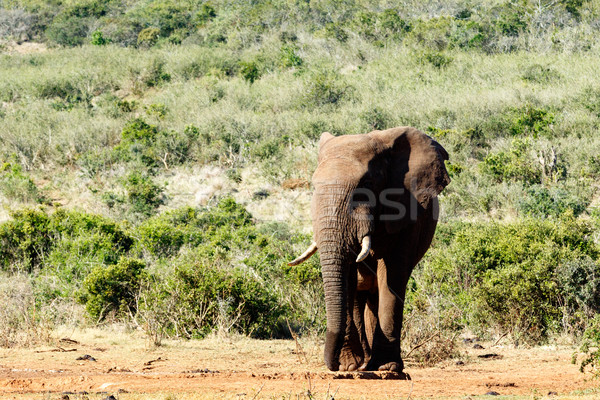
[95, 364]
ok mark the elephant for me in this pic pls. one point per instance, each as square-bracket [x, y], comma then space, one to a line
[374, 212]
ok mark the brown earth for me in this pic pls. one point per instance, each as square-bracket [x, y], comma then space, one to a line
[242, 368]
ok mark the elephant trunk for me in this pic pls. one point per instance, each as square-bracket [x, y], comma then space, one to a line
[336, 298]
[338, 230]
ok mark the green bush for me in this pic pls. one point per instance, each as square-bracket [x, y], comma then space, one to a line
[146, 145]
[503, 276]
[113, 289]
[143, 195]
[148, 37]
[533, 121]
[35, 239]
[513, 164]
[227, 296]
[579, 282]
[17, 185]
[289, 57]
[590, 348]
[249, 71]
[325, 88]
[206, 14]
[537, 73]
[542, 202]
[163, 235]
[68, 31]
[98, 39]
[437, 59]
[512, 18]
[24, 240]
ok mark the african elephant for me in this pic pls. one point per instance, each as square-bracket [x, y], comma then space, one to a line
[374, 212]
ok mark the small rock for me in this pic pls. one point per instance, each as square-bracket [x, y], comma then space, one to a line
[478, 346]
[459, 362]
[552, 394]
[492, 393]
[260, 194]
[65, 397]
[86, 357]
[111, 397]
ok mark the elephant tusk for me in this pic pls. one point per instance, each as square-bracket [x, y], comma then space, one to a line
[312, 249]
[366, 247]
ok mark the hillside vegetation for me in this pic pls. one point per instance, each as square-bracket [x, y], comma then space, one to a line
[155, 160]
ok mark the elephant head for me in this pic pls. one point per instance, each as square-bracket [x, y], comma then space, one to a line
[367, 188]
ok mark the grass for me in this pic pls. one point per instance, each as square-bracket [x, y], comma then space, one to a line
[273, 119]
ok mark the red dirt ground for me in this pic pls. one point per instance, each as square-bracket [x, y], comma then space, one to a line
[241, 368]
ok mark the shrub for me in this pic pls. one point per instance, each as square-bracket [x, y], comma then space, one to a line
[579, 283]
[113, 289]
[32, 237]
[511, 19]
[205, 14]
[145, 144]
[98, 39]
[289, 57]
[437, 59]
[537, 73]
[249, 71]
[325, 88]
[542, 202]
[24, 240]
[143, 195]
[159, 110]
[432, 33]
[226, 297]
[590, 348]
[148, 37]
[68, 31]
[165, 234]
[532, 121]
[513, 164]
[17, 185]
[377, 119]
[573, 7]
[81, 242]
[505, 277]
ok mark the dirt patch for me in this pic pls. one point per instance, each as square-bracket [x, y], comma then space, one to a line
[244, 368]
[25, 48]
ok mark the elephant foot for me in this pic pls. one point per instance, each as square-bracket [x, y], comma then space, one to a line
[385, 365]
[349, 360]
[391, 366]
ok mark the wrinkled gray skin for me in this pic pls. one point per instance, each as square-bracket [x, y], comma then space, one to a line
[364, 301]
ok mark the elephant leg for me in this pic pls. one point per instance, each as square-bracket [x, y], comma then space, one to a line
[392, 276]
[352, 354]
[360, 322]
[370, 325]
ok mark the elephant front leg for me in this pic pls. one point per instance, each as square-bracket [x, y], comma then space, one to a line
[351, 355]
[386, 341]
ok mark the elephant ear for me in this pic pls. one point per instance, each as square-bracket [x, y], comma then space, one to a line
[416, 166]
[325, 137]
